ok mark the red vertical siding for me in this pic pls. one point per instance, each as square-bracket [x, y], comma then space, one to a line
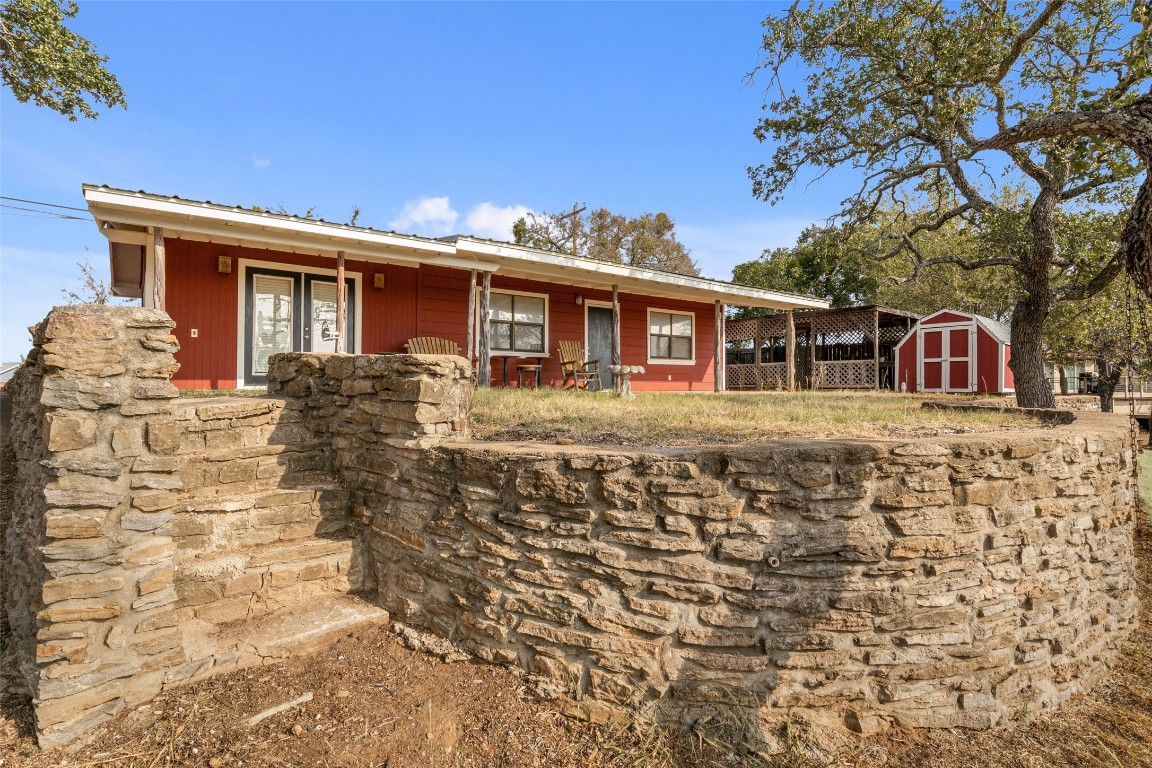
[198, 297]
[391, 312]
[909, 357]
[428, 301]
[987, 362]
[1009, 378]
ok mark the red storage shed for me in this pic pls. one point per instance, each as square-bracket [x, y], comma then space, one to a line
[951, 351]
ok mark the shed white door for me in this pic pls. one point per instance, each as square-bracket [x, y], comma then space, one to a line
[947, 360]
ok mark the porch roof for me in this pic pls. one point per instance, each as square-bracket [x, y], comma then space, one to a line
[125, 217]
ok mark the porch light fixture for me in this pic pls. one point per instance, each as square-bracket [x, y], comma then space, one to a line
[378, 280]
[224, 265]
[579, 299]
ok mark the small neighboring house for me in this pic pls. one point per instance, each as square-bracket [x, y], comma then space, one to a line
[6, 371]
[952, 351]
[243, 285]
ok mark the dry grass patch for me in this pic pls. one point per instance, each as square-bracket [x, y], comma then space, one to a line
[659, 418]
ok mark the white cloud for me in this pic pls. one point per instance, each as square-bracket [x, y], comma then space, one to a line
[431, 216]
[720, 245]
[493, 221]
[260, 162]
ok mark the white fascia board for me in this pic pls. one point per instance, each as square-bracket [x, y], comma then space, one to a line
[679, 286]
[208, 212]
[234, 235]
[126, 236]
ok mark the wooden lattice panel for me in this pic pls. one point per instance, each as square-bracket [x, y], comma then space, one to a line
[750, 328]
[763, 376]
[892, 335]
[846, 374]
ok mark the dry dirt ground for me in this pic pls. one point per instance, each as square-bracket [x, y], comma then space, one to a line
[375, 703]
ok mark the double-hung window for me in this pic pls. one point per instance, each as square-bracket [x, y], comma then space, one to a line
[516, 322]
[670, 337]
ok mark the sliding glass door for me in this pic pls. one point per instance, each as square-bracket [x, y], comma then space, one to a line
[290, 311]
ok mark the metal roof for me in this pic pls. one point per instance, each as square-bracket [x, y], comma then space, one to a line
[124, 215]
[1002, 331]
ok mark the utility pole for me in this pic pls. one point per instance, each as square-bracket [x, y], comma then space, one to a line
[576, 211]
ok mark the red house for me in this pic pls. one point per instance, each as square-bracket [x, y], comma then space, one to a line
[951, 351]
[243, 285]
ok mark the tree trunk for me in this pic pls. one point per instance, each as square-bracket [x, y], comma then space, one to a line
[1107, 377]
[1027, 364]
[1063, 369]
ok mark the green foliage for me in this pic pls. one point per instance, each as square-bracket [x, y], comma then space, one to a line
[838, 264]
[1112, 326]
[648, 240]
[44, 62]
[899, 91]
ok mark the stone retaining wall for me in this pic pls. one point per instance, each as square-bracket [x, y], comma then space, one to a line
[154, 541]
[946, 582]
[932, 583]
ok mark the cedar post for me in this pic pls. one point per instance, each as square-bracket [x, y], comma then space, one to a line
[876, 348]
[718, 373]
[470, 342]
[790, 349]
[757, 343]
[158, 276]
[615, 324]
[340, 302]
[484, 372]
[813, 382]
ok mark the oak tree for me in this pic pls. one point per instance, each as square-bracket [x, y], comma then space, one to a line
[44, 62]
[902, 91]
[648, 240]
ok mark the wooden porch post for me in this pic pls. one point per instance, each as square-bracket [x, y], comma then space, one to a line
[876, 348]
[790, 349]
[158, 277]
[470, 337]
[615, 324]
[718, 374]
[340, 302]
[484, 372]
[812, 379]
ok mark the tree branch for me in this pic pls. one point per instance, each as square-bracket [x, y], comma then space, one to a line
[1025, 37]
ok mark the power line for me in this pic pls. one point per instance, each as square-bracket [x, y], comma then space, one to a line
[37, 202]
[44, 213]
[55, 216]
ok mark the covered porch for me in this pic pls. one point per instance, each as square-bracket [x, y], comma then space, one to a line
[851, 348]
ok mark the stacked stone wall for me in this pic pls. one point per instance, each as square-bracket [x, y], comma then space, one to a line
[150, 536]
[932, 583]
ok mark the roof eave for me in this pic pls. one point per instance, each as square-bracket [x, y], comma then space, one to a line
[678, 286]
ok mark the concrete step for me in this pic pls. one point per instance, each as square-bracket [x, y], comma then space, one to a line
[292, 632]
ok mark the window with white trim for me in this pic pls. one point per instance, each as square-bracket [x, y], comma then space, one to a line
[516, 322]
[670, 336]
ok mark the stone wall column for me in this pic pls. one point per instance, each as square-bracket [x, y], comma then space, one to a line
[90, 601]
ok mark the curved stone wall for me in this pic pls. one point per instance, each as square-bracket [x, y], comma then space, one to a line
[947, 582]
[932, 583]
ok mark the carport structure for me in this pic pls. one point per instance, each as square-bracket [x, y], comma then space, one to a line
[848, 348]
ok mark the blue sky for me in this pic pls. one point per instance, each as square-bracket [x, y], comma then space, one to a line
[433, 118]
